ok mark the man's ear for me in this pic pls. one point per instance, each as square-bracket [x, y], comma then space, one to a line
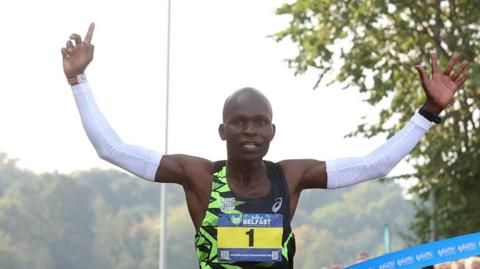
[274, 129]
[221, 132]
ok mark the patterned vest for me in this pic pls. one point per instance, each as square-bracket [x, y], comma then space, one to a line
[241, 233]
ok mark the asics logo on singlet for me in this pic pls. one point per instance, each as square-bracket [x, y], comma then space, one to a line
[277, 205]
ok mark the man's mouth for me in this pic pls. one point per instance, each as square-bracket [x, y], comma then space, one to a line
[249, 145]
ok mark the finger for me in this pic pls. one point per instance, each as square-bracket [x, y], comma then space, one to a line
[451, 64]
[88, 36]
[69, 45]
[77, 38]
[423, 74]
[462, 79]
[459, 70]
[434, 63]
[65, 54]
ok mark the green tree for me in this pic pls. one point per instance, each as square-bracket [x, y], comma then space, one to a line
[375, 44]
[48, 219]
[120, 190]
[90, 219]
[9, 256]
[10, 171]
[352, 221]
[180, 239]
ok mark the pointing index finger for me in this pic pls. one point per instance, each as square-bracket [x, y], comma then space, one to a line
[88, 36]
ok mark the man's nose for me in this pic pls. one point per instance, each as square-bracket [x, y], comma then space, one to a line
[249, 128]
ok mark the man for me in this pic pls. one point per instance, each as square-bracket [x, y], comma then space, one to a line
[242, 207]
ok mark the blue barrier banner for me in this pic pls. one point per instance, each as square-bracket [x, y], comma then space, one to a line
[427, 254]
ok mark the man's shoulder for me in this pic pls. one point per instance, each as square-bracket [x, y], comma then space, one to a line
[297, 168]
[189, 162]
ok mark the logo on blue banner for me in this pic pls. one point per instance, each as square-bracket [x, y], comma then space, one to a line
[427, 254]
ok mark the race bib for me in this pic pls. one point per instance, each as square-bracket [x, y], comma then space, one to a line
[250, 237]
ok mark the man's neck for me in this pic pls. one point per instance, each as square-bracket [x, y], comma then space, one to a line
[246, 173]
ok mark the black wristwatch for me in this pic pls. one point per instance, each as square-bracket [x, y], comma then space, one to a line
[429, 116]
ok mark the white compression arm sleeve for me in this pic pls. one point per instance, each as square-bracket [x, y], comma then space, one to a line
[349, 171]
[137, 160]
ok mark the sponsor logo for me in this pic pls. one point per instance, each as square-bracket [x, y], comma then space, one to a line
[227, 204]
[236, 219]
[467, 247]
[405, 261]
[447, 251]
[255, 222]
[277, 205]
[387, 265]
[427, 255]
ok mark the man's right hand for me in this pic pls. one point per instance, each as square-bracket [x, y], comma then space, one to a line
[76, 57]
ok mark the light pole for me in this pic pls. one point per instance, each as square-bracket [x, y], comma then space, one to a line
[163, 207]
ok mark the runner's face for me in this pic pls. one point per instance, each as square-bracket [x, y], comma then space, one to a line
[247, 127]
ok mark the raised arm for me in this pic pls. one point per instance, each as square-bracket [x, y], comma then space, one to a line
[439, 90]
[108, 145]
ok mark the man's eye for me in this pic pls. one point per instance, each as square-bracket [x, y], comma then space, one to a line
[261, 122]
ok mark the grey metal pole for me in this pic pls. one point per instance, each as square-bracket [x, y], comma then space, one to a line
[163, 187]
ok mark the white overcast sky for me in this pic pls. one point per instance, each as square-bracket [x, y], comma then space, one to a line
[217, 47]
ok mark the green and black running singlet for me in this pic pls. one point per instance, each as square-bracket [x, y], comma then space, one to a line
[240, 233]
